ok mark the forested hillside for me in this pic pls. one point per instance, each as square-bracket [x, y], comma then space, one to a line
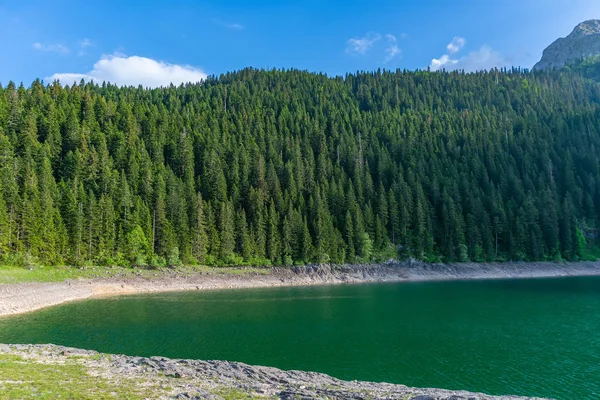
[285, 167]
[589, 67]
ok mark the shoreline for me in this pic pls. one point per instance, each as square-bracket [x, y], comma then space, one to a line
[19, 298]
[160, 377]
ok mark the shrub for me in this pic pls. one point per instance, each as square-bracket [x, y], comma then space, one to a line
[173, 259]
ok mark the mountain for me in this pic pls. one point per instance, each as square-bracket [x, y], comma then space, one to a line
[583, 42]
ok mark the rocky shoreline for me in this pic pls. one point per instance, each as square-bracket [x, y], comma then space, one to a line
[26, 297]
[163, 378]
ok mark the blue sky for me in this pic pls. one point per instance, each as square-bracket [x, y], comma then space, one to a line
[153, 42]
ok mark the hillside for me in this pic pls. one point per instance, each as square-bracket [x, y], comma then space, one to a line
[288, 167]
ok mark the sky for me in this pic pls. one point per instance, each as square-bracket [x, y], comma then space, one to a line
[154, 42]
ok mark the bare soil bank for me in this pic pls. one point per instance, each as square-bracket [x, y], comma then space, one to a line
[26, 297]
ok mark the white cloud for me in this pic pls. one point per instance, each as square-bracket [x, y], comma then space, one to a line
[444, 62]
[132, 71]
[485, 58]
[84, 44]
[51, 48]
[362, 45]
[392, 50]
[235, 26]
[456, 44]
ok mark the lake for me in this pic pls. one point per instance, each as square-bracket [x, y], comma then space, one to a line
[538, 337]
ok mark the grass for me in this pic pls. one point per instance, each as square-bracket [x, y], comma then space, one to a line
[9, 274]
[22, 378]
[233, 394]
[12, 274]
[37, 375]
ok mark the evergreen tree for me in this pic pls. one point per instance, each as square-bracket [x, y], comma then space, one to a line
[273, 236]
[226, 230]
[297, 167]
[199, 239]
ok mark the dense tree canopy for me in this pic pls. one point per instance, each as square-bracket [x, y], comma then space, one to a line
[589, 67]
[283, 167]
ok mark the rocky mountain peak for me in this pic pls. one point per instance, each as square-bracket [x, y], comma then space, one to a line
[584, 41]
[590, 27]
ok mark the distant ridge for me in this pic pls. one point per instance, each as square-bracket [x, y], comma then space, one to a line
[583, 42]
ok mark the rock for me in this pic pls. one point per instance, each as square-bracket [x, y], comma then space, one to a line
[584, 41]
[210, 379]
[173, 374]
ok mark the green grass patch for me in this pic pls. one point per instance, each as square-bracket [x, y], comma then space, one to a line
[13, 274]
[22, 378]
[234, 394]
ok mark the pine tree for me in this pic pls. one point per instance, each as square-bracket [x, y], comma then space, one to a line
[243, 243]
[226, 229]
[136, 246]
[49, 214]
[349, 237]
[273, 236]
[199, 238]
[106, 229]
[288, 239]
[306, 247]
[302, 168]
[164, 236]
[4, 227]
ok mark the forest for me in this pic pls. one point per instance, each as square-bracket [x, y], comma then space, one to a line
[287, 167]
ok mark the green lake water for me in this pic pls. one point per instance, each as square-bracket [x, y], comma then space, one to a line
[524, 337]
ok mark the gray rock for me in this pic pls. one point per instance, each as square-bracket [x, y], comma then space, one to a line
[195, 379]
[584, 41]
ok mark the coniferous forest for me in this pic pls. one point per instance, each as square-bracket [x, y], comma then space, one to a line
[288, 167]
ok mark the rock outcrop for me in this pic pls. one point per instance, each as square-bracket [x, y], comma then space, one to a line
[192, 379]
[583, 42]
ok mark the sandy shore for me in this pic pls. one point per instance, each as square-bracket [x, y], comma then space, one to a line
[27, 297]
